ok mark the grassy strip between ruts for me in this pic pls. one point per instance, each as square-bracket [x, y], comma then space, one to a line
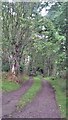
[30, 94]
[59, 86]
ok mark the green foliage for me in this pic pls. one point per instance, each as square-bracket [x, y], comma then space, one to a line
[42, 38]
[5, 67]
[21, 68]
[58, 14]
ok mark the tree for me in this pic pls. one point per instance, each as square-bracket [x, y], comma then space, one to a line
[29, 36]
[16, 32]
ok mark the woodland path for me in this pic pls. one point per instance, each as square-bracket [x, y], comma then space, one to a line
[43, 106]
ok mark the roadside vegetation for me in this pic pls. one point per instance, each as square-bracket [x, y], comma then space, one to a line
[8, 84]
[25, 78]
[59, 86]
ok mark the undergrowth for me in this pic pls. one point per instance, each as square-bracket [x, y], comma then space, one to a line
[59, 86]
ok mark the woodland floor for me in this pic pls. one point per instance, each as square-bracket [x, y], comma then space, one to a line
[43, 105]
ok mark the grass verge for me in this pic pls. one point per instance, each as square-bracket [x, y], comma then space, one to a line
[9, 86]
[25, 78]
[59, 85]
[30, 94]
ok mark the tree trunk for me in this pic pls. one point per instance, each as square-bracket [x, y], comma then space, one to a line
[14, 65]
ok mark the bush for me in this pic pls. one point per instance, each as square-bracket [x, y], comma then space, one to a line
[5, 67]
[21, 67]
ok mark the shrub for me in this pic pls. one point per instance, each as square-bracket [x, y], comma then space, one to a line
[5, 67]
[21, 67]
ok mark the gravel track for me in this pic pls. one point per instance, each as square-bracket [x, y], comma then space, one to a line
[43, 106]
[9, 100]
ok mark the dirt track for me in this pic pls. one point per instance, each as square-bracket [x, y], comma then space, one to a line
[43, 106]
[9, 100]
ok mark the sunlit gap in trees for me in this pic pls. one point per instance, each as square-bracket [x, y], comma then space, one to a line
[45, 10]
[10, 1]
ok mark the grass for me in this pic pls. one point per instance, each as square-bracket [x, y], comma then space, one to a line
[25, 78]
[31, 93]
[9, 86]
[67, 107]
[59, 85]
[0, 86]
